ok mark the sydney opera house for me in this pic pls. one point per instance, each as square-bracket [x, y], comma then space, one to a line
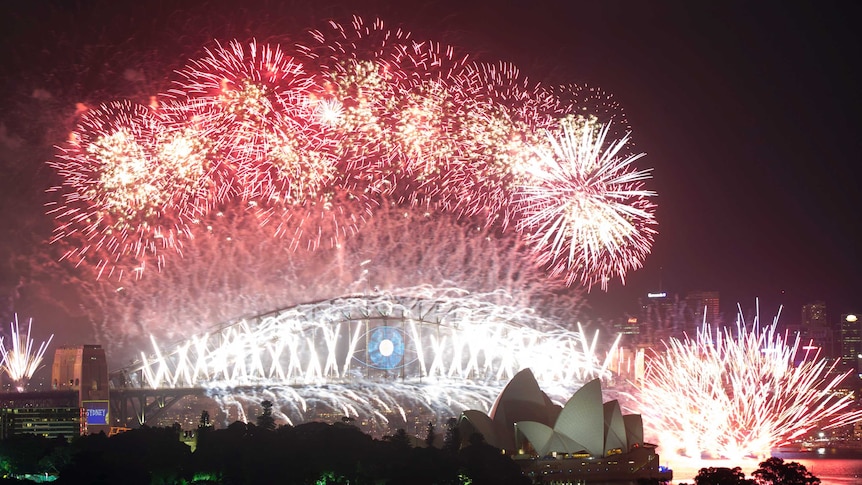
[585, 440]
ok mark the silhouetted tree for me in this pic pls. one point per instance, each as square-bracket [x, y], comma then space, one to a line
[59, 457]
[452, 440]
[308, 453]
[431, 436]
[486, 464]
[204, 428]
[400, 439]
[774, 471]
[142, 456]
[265, 420]
[204, 422]
[22, 454]
[721, 476]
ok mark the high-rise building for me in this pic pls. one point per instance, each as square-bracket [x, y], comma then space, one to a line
[814, 315]
[704, 304]
[815, 329]
[664, 316]
[47, 414]
[85, 369]
[629, 332]
[851, 341]
[623, 361]
[659, 319]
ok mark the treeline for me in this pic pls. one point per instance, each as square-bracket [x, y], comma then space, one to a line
[311, 453]
[772, 471]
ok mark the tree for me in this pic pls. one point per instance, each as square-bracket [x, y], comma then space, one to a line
[30, 454]
[204, 428]
[265, 420]
[484, 463]
[452, 441]
[774, 471]
[431, 436]
[400, 439]
[722, 476]
[205, 420]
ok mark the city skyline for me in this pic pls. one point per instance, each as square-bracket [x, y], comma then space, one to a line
[745, 112]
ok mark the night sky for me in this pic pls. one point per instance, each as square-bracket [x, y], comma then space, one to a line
[748, 112]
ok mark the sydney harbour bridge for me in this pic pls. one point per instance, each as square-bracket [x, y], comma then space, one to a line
[362, 356]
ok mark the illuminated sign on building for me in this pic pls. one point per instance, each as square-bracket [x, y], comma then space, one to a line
[96, 412]
[657, 295]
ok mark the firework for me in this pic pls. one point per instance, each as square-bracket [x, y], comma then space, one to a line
[257, 105]
[130, 186]
[587, 214]
[314, 140]
[327, 220]
[21, 359]
[351, 62]
[593, 107]
[736, 394]
[224, 275]
[501, 120]
[444, 350]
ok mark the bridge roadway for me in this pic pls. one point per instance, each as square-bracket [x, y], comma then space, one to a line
[135, 407]
[130, 407]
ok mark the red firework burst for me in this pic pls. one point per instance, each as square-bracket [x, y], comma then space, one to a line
[258, 105]
[130, 186]
[312, 142]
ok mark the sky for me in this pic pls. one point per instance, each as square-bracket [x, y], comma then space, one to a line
[747, 113]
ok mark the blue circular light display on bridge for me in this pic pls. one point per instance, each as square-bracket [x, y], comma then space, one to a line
[385, 348]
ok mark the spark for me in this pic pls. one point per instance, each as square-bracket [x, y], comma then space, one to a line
[127, 180]
[729, 394]
[21, 360]
[453, 350]
[316, 138]
[587, 212]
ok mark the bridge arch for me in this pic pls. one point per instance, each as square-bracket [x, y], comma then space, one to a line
[365, 354]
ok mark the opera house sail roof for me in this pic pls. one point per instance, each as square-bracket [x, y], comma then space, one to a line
[525, 423]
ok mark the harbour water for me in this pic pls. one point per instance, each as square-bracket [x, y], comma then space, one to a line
[830, 471]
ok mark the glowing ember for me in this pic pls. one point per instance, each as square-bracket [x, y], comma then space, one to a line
[423, 349]
[21, 359]
[732, 394]
[313, 139]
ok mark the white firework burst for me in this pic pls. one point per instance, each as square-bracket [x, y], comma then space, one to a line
[587, 211]
[740, 393]
[22, 359]
[423, 350]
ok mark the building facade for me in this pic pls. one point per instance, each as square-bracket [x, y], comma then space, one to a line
[705, 305]
[851, 342]
[84, 370]
[49, 414]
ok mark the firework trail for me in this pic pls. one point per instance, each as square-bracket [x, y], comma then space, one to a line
[235, 269]
[731, 394]
[420, 350]
[588, 215]
[316, 138]
[131, 182]
[502, 119]
[253, 103]
[21, 359]
[593, 108]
